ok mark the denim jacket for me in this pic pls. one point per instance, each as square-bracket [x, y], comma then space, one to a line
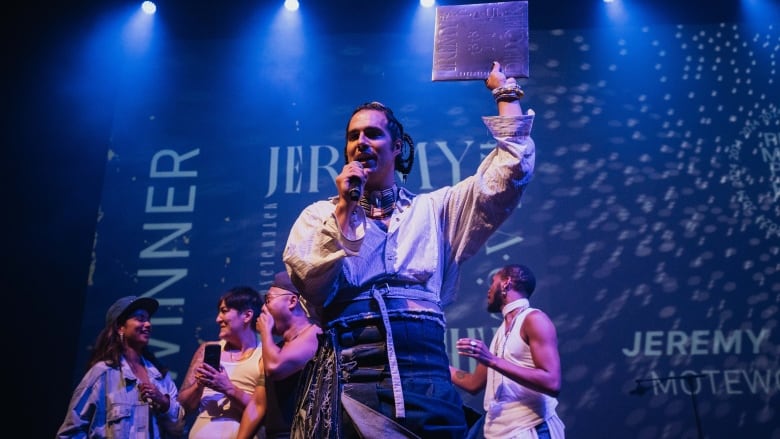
[107, 404]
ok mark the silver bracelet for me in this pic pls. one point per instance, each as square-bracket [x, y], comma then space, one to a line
[508, 93]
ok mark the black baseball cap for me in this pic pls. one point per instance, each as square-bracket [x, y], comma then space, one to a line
[124, 306]
[282, 280]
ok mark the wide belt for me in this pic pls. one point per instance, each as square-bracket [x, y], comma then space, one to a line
[380, 292]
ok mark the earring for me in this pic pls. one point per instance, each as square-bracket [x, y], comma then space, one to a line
[122, 337]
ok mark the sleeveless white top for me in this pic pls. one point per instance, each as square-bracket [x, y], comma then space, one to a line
[217, 418]
[512, 410]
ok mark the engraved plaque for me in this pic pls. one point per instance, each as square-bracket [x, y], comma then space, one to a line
[468, 38]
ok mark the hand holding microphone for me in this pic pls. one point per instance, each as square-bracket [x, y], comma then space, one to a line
[354, 189]
[355, 183]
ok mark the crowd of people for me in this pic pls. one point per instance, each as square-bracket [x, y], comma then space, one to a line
[349, 339]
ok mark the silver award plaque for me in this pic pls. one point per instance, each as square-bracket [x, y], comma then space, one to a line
[468, 38]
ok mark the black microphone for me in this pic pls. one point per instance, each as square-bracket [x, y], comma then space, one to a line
[354, 190]
[354, 183]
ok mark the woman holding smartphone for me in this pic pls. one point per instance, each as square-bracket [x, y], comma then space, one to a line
[218, 392]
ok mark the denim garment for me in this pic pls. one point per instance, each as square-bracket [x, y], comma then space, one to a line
[423, 244]
[107, 404]
[433, 407]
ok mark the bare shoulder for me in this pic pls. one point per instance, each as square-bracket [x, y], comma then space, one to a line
[536, 314]
[537, 322]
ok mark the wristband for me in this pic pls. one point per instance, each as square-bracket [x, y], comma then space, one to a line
[508, 93]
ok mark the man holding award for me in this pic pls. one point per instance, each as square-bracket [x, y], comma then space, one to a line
[382, 262]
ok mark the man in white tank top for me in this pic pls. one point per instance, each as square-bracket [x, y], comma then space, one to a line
[521, 369]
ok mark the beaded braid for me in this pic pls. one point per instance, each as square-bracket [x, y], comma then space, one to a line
[404, 165]
[404, 160]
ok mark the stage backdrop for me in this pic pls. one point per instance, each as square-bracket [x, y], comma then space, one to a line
[651, 221]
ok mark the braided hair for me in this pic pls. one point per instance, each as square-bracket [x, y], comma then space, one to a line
[404, 160]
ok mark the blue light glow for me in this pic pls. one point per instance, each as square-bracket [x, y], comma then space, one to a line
[149, 7]
[291, 5]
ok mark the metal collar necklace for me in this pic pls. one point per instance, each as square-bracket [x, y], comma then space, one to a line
[379, 204]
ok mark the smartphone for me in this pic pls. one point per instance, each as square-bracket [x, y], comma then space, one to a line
[212, 354]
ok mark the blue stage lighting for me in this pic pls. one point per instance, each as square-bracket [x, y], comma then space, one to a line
[149, 7]
[291, 5]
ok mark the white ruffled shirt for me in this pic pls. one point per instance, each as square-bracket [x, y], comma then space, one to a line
[428, 236]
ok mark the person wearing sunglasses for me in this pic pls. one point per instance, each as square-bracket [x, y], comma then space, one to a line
[286, 317]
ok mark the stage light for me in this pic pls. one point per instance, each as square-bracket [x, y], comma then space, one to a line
[427, 3]
[291, 5]
[149, 7]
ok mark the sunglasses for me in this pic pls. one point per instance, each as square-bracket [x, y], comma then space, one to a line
[270, 297]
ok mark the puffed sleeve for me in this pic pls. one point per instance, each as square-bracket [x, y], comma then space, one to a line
[316, 248]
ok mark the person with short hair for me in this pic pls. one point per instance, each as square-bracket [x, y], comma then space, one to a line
[521, 370]
[217, 398]
[126, 391]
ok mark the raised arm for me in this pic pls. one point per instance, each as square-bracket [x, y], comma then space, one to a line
[477, 205]
[279, 363]
[506, 92]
